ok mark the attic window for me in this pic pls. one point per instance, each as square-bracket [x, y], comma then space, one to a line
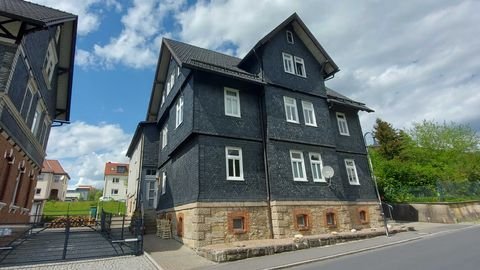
[290, 37]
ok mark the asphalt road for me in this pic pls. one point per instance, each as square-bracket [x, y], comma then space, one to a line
[459, 250]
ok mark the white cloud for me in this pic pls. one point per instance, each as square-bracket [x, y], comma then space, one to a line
[88, 11]
[138, 43]
[83, 149]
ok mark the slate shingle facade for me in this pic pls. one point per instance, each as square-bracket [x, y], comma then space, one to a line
[36, 72]
[193, 168]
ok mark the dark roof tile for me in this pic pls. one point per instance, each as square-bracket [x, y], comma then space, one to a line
[34, 13]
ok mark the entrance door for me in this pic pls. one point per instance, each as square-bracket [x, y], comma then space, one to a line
[151, 198]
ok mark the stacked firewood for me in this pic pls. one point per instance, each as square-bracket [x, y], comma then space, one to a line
[61, 222]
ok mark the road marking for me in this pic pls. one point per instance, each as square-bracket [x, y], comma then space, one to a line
[368, 248]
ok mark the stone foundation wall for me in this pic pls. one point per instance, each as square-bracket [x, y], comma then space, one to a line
[201, 224]
[437, 212]
[346, 217]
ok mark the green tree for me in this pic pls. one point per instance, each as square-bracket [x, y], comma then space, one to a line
[389, 139]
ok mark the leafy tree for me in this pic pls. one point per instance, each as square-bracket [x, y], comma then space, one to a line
[389, 139]
[94, 194]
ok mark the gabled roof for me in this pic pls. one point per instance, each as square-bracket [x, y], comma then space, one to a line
[307, 38]
[111, 168]
[18, 18]
[34, 13]
[335, 97]
[53, 166]
[192, 56]
[136, 137]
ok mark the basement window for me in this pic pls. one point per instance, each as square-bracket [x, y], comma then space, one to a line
[302, 222]
[362, 215]
[331, 219]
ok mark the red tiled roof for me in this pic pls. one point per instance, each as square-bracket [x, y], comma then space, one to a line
[111, 168]
[52, 166]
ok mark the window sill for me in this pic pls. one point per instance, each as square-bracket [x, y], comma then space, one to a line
[300, 180]
[345, 134]
[235, 179]
[13, 208]
[310, 125]
[332, 226]
[303, 228]
[238, 231]
[293, 122]
[319, 181]
[354, 184]
[233, 115]
[2, 205]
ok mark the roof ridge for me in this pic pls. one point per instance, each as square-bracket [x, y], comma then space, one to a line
[43, 6]
[198, 47]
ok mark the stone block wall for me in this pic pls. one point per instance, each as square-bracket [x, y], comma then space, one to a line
[346, 216]
[201, 224]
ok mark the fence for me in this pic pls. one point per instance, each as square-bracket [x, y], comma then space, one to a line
[55, 238]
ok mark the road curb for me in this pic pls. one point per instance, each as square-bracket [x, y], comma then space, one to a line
[149, 257]
[363, 249]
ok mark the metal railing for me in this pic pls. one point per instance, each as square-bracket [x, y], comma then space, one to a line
[67, 238]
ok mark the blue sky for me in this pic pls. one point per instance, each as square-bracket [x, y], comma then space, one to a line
[408, 60]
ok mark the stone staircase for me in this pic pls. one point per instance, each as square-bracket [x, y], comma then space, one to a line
[150, 221]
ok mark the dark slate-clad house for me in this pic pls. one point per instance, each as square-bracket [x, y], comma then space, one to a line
[37, 47]
[243, 142]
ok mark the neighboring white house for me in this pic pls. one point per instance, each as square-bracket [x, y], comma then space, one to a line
[115, 181]
[52, 184]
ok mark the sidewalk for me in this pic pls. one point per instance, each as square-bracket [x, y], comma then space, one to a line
[170, 254]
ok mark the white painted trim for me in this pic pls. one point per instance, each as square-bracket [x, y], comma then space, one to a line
[302, 160]
[236, 100]
[294, 105]
[320, 162]
[308, 103]
[354, 167]
[342, 120]
[239, 158]
[300, 61]
[289, 59]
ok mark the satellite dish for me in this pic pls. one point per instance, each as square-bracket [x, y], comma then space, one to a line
[327, 172]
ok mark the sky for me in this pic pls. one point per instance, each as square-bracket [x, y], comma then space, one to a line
[408, 60]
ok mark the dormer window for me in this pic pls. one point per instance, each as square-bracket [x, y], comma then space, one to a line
[49, 63]
[290, 37]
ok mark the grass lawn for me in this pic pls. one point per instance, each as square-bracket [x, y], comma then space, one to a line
[82, 208]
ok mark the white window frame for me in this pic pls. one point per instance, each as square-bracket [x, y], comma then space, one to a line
[164, 136]
[290, 34]
[234, 158]
[164, 183]
[116, 180]
[313, 164]
[36, 119]
[168, 88]
[32, 95]
[172, 80]
[178, 71]
[342, 119]
[294, 109]
[51, 60]
[300, 61]
[112, 193]
[288, 65]
[234, 100]
[179, 112]
[351, 172]
[302, 162]
[307, 106]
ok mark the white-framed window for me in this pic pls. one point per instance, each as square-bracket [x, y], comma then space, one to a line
[300, 67]
[114, 191]
[27, 102]
[234, 163]
[178, 71]
[50, 62]
[116, 180]
[351, 172]
[317, 166]
[36, 120]
[291, 113]
[179, 112]
[298, 166]
[164, 136]
[342, 124]
[164, 96]
[290, 37]
[57, 33]
[232, 102]
[164, 182]
[309, 114]
[172, 80]
[168, 88]
[288, 63]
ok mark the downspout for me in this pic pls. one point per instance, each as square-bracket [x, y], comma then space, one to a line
[265, 162]
[261, 107]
